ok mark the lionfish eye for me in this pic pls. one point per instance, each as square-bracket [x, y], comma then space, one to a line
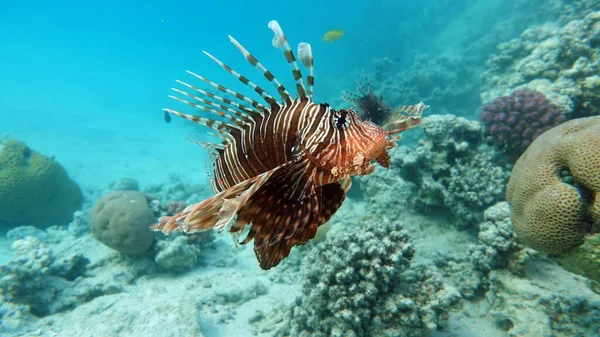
[340, 119]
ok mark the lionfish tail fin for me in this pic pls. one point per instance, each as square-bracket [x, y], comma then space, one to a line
[404, 117]
[217, 212]
[281, 42]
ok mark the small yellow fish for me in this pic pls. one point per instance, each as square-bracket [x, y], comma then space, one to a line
[333, 35]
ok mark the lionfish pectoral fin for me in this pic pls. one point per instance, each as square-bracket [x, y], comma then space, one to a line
[217, 212]
[404, 117]
[346, 183]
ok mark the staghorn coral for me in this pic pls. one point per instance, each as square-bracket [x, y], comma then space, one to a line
[361, 284]
[34, 189]
[512, 122]
[121, 221]
[554, 189]
[560, 61]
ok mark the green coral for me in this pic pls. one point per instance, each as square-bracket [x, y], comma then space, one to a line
[583, 260]
[34, 189]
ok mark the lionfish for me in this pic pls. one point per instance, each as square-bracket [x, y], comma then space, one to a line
[371, 106]
[282, 167]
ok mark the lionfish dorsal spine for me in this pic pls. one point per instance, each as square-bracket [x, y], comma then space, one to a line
[242, 111]
[209, 107]
[259, 107]
[280, 42]
[283, 93]
[306, 57]
[223, 129]
[262, 92]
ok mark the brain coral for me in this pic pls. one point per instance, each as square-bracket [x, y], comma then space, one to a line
[121, 221]
[34, 189]
[554, 189]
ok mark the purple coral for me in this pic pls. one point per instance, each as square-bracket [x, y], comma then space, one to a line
[513, 122]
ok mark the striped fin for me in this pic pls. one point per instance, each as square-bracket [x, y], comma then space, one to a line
[404, 117]
[306, 57]
[215, 212]
[221, 127]
[242, 110]
[280, 42]
[268, 98]
[346, 183]
[221, 88]
[412, 110]
[285, 95]
[237, 121]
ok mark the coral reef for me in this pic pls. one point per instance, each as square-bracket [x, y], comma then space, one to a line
[450, 168]
[177, 191]
[34, 189]
[124, 184]
[177, 254]
[559, 61]
[583, 260]
[497, 248]
[554, 188]
[121, 220]
[361, 284]
[43, 283]
[549, 302]
[512, 122]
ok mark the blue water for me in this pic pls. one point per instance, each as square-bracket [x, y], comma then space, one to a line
[81, 76]
[85, 81]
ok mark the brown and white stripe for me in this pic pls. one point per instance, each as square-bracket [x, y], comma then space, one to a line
[281, 167]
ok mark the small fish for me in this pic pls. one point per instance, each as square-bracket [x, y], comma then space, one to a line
[282, 167]
[333, 35]
[167, 117]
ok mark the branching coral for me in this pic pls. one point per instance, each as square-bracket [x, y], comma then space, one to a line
[512, 122]
[450, 168]
[361, 284]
